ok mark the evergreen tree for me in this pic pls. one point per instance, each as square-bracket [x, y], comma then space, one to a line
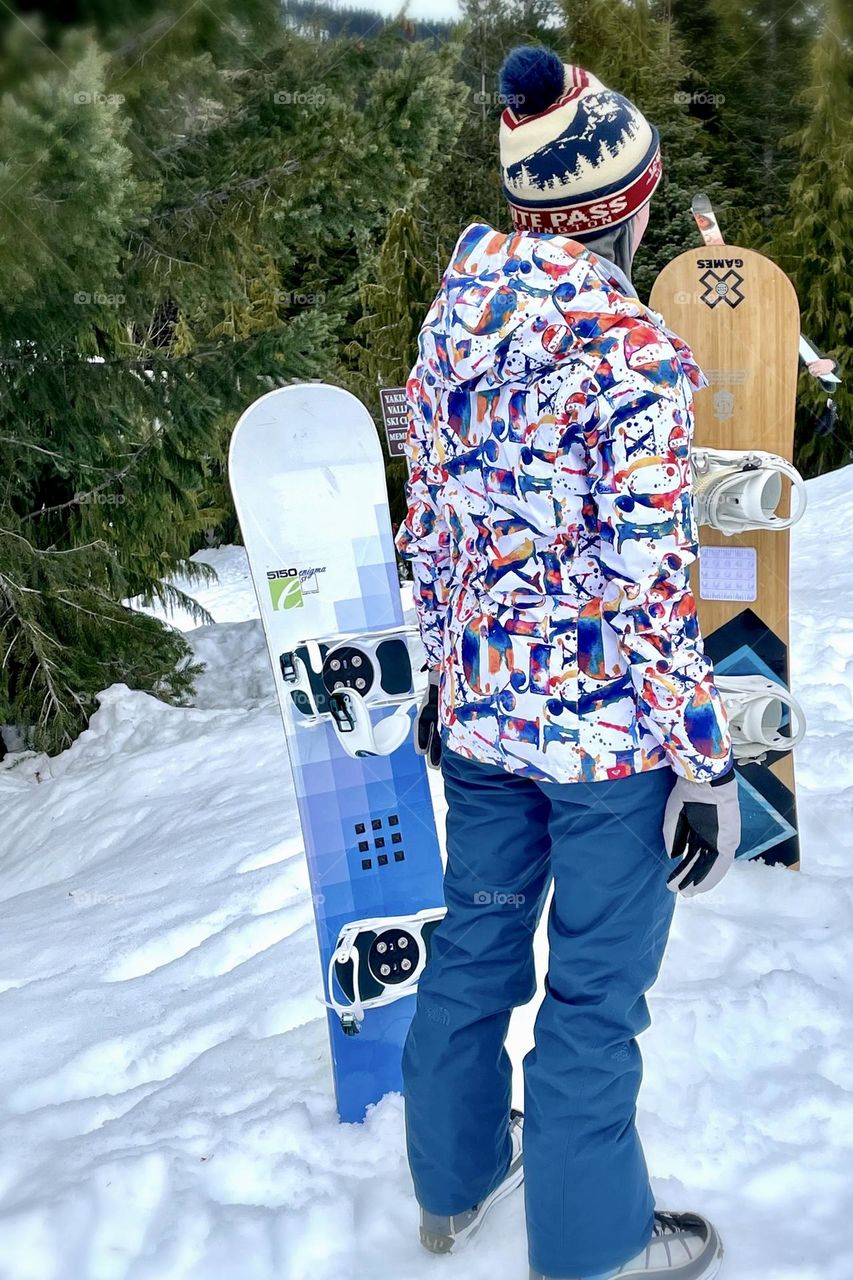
[468, 187]
[79, 440]
[642, 56]
[179, 235]
[345, 20]
[460, 184]
[394, 303]
[812, 242]
[755, 66]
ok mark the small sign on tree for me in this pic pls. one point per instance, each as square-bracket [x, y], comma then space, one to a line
[395, 418]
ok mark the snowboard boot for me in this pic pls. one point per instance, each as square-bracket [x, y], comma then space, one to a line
[442, 1234]
[684, 1246]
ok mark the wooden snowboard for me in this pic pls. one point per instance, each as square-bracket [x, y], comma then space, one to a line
[739, 313]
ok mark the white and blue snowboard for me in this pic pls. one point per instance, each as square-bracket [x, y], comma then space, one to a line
[308, 481]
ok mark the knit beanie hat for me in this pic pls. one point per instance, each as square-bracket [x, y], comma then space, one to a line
[576, 157]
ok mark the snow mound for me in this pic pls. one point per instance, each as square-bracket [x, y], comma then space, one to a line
[236, 667]
[228, 597]
[166, 1111]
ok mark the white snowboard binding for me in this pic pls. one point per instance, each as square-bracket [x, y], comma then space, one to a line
[345, 677]
[756, 707]
[377, 962]
[735, 491]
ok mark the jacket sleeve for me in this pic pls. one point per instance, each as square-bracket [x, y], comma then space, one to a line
[641, 486]
[423, 537]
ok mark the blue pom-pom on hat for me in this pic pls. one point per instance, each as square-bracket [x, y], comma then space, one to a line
[532, 78]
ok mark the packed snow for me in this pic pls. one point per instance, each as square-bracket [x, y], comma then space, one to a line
[166, 1109]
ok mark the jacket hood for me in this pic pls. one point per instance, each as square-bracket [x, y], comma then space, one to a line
[511, 307]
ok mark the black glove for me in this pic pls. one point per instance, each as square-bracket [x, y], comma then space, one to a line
[427, 727]
[701, 826]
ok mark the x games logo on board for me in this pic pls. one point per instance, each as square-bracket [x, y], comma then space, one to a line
[722, 281]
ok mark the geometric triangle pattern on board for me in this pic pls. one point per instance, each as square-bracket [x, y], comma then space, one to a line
[746, 646]
[764, 825]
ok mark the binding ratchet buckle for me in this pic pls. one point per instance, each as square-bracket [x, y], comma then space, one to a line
[343, 679]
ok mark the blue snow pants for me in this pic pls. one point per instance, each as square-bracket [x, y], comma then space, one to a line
[588, 1201]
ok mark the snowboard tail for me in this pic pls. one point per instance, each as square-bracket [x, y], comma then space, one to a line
[308, 480]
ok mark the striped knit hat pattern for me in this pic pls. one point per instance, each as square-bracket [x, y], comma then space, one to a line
[576, 158]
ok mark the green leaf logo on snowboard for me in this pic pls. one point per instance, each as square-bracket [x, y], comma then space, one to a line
[285, 590]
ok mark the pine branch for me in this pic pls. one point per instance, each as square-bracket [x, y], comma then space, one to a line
[205, 199]
[96, 545]
[145, 363]
[28, 444]
[109, 483]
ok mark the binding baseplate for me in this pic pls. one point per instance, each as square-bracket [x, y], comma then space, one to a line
[378, 961]
[344, 677]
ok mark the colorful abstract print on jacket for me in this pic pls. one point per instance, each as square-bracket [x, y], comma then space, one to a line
[550, 524]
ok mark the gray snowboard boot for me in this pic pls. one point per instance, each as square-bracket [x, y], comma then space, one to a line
[450, 1234]
[684, 1246]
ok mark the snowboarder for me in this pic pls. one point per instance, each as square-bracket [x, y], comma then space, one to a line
[570, 704]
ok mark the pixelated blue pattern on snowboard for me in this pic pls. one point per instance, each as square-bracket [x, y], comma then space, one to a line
[292, 453]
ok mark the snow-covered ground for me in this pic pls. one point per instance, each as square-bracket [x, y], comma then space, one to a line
[166, 1110]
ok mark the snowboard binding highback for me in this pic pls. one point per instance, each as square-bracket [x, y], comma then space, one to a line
[757, 708]
[378, 961]
[735, 491]
[343, 678]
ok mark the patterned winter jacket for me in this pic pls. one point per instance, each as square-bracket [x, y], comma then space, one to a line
[550, 523]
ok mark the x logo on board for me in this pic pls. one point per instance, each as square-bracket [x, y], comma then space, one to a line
[721, 288]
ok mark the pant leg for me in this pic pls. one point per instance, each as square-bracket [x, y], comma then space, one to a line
[588, 1200]
[457, 1074]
